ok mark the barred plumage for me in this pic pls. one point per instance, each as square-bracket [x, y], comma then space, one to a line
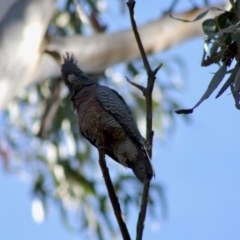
[102, 107]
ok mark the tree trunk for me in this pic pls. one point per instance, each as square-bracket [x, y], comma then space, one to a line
[22, 29]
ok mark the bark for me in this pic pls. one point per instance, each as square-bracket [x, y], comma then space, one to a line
[96, 53]
[22, 61]
[22, 29]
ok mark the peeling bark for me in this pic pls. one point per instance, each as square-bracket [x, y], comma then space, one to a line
[22, 30]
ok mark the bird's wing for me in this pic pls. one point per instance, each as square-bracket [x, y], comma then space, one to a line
[113, 103]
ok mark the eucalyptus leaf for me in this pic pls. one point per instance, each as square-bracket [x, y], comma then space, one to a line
[214, 48]
[230, 71]
[238, 44]
[199, 17]
[237, 81]
[230, 29]
[229, 81]
[223, 19]
[209, 26]
[215, 58]
[205, 49]
[216, 80]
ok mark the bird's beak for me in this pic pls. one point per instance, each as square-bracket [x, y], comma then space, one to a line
[71, 78]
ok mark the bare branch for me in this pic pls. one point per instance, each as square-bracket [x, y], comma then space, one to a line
[131, 4]
[141, 88]
[157, 68]
[143, 211]
[148, 96]
[111, 191]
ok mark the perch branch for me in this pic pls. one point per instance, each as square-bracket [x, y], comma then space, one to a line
[142, 213]
[148, 96]
[111, 192]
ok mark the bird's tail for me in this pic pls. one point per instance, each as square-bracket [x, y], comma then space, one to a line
[143, 168]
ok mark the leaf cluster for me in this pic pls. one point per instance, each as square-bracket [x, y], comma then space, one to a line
[222, 47]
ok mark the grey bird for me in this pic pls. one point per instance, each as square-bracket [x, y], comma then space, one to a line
[101, 110]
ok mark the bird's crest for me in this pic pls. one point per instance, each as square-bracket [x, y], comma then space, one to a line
[69, 67]
[70, 59]
[73, 76]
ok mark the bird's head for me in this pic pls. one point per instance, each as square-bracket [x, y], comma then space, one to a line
[73, 76]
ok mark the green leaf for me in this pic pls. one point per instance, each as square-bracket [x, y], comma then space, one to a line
[184, 111]
[214, 48]
[209, 26]
[237, 81]
[229, 29]
[205, 48]
[229, 81]
[200, 16]
[216, 80]
[238, 43]
[215, 58]
[132, 69]
[223, 19]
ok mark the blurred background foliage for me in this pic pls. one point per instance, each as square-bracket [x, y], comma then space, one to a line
[40, 138]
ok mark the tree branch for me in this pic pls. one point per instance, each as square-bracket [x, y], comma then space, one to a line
[143, 211]
[165, 33]
[131, 5]
[148, 96]
[109, 50]
[140, 87]
[111, 191]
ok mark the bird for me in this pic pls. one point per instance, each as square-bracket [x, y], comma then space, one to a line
[101, 110]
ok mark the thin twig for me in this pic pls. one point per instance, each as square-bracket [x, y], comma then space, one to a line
[111, 191]
[149, 131]
[141, 88]
[131, 4]
[157, 68]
